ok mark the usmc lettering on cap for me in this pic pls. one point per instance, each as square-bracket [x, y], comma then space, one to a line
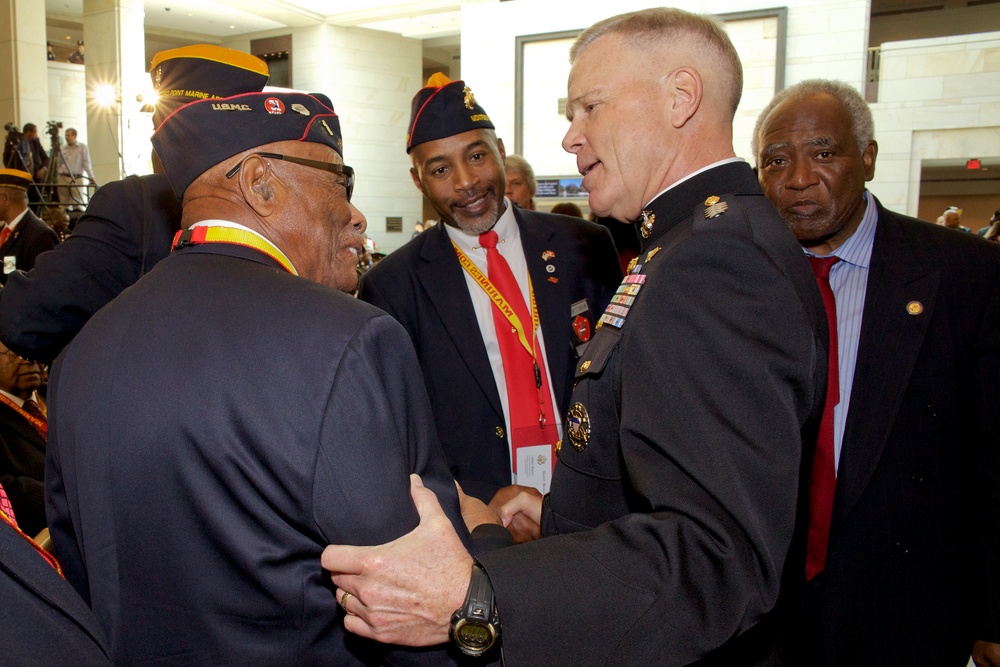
[224, 106]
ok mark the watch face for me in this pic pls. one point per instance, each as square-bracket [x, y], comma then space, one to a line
[475, 635]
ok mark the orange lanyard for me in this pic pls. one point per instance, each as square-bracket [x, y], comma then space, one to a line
[49, 558]
[208, 234]
[501, 303]
[40, 425]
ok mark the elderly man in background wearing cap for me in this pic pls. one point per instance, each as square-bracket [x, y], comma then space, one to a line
[24, 236]
[128, 225]
[500, 302]
[673, 503]
[249, 410]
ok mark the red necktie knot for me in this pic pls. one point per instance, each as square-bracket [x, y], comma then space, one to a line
[489, 239]
[821, 265]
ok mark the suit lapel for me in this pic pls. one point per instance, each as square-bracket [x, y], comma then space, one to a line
[551, 298]
[24, 566]
[443, 279]
[890, 341]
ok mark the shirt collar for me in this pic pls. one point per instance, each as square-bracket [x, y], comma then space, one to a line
[505, 227]
[857, 250]
[17, 218]
[19, 402]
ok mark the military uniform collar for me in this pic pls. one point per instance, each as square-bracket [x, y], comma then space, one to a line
[679, 201]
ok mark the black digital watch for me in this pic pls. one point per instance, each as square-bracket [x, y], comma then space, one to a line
[475, 627]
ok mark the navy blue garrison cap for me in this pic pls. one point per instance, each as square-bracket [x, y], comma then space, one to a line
[442, 109]
[202, 71]
[200, 135]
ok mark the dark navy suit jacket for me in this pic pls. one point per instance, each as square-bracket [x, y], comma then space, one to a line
[913, 566]
[247, 419]
[41, 310]
[29, 239]
[423, 286]
[44, 621]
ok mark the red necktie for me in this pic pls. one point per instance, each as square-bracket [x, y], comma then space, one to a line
[823, 481]
[532, 418]
[32, 409]
[4, 234]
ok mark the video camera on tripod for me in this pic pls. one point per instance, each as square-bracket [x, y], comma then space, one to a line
[14, 136]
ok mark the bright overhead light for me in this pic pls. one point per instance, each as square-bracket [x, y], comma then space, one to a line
[105, 95]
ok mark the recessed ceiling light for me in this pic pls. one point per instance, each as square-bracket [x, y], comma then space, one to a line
[232, 27]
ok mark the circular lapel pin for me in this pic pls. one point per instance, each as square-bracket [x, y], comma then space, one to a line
[914, 308]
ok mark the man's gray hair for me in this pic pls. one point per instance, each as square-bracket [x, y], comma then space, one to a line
[664, 24]
[519, 165]
[861, 116]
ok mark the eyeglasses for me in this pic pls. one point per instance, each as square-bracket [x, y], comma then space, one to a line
[315, 164]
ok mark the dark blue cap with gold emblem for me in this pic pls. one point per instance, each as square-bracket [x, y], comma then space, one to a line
[442, 109]
[200, 135]
[15, 178]
[203, 71]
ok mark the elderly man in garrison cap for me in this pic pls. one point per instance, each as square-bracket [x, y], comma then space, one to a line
[249, 411]
[128, 225]
[500, 302]
[23, 236]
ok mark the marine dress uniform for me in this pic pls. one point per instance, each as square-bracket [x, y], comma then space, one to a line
[682, 443]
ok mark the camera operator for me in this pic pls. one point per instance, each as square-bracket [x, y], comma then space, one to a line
[28, 155]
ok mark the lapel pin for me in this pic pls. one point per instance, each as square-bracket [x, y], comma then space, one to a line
[553, 279]
[547, 255]
[914, 308]
[550, 269]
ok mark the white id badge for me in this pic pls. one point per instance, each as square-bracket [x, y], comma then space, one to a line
[534, 467]
[9, 264]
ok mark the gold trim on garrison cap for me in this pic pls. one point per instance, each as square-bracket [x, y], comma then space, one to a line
[203, 71]
[15, 178]
[444, 108]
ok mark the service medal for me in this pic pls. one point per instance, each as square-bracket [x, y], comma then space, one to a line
[578, 426]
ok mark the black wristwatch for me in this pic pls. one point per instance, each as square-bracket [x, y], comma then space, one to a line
[475, 627]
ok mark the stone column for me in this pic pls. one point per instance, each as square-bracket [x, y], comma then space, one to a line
[116, 60]
[24, 81]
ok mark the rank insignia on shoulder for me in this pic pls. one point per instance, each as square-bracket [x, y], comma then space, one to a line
[578, 426]
[714, 207]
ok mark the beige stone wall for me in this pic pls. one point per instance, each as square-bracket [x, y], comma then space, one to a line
[938, 99]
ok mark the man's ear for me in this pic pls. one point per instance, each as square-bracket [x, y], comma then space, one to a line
[868, 158]
[416, 180]
[503, 153]
[255, 181]
[685, 90]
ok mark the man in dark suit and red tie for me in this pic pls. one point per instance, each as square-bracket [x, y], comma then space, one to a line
[900, 561]
[499, 301]
[24, 236]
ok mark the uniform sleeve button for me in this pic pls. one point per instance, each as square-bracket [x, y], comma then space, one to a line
[499, 431]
